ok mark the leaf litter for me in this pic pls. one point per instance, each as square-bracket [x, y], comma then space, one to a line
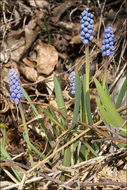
[41, 38]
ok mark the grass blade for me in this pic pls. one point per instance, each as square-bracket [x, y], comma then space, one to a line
[6, 155]
[35, 149]
[121, 94]
[60, 100]
[77, 99]
[49, 115]
[59, 96]
[87, 106]
[67, 157]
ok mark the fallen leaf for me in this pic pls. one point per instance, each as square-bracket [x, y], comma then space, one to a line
[76, 40]
[15, 44]
[53, 103]
[31, 32]
[6, 106]
[30, 73]
[60, 43]
[122, 176]
[27, 62]
[39, 4]
[59, 10]
[47, 58]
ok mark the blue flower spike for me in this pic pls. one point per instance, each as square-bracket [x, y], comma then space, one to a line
[86, 26]
[15, 87]
[72, 82]
[108, 42]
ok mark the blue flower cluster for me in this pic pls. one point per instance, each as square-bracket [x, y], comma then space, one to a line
[15, 88]
[108, 42]
[72, 82]
[86, 26]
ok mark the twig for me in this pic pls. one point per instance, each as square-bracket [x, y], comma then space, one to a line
[58, 150]
[115, 183]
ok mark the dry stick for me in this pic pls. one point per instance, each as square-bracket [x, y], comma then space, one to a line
[66, 183]
[58, 150]
[122, 108]
[34, 180]
[22, 182]
[93, 126]
[70, 142]
[103, 184]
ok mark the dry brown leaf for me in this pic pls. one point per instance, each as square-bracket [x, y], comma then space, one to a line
[6, 106]
[53, 103]
[122, 176]
[107, 172]
[59, 10]
[60, 43]
[39, 4]
[66, 25]
[31, 32]
[27, 62]
[76, 40]
[15, 45]
[76, 35]
[47, 58]
[30, 73]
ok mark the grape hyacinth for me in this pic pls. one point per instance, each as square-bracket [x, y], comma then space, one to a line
[108, 42]
[15, 88]
[86, 26]
[72, 82]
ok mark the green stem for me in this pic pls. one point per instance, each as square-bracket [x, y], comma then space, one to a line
[26, 130]
[87, 67]
[105, 71]
[87, 99]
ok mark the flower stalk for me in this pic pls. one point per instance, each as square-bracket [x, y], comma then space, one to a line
[16, 95]
[107, 49]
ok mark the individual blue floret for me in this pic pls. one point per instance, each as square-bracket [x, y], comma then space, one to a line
[108, 42]
[86, 26]
[72, 82]
[15, 88]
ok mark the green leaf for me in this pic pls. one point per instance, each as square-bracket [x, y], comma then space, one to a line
[6, 155]
[60, 100]
[108, 110]
[4, 134]
[107, 117]
[34, 148]
[36, 113]
[87, 105]
[90, 149]
[49, 115]
[83, 112]
[121, 94]
[59, 96]
[83, 154]
[53, 113]
[77, 99]
[55, 128]
[67, 157]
